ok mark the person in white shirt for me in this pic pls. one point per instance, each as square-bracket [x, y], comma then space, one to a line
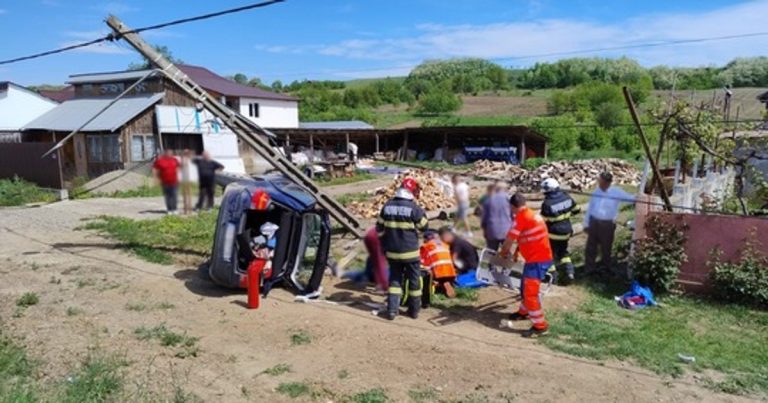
[461, 194]
[600, 220]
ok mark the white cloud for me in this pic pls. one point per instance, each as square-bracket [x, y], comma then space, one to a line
[513, 40]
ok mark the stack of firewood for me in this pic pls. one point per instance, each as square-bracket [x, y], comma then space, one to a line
[433, 195]
[576, 175]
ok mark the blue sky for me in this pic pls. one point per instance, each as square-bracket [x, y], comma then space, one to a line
[344, 39]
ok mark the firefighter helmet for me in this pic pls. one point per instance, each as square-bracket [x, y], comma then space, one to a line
[549, 185]
[410, 185]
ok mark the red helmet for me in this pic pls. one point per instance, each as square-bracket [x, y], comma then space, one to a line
[411, 185]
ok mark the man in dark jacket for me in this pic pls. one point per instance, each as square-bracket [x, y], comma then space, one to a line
[464, 254]
[398, 226]
[206, 172]
[557, 209]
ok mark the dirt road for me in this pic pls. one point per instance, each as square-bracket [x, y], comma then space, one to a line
[90, 295]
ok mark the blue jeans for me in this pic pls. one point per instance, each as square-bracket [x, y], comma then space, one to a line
[171, 194]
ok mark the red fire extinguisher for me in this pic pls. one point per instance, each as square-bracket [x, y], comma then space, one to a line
[254, 282]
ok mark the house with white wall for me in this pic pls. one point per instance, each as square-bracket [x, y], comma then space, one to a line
[19, 106]
[265, 108]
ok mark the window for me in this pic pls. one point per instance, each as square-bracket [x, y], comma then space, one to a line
[142, 147]
[103, 148]
[311, 237]
[253, 110]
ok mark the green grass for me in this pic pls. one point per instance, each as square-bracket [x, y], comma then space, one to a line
[724, 338]
[16, 373]
[345, 180]
[74, 311]
[156, 240]
[278, 370]
[135, 306]
[168, 338]
[100, 378]
[353, 197]
[294, 389]
[465, 297]
[370, 396]
[27, 299]
[300, 338]
[18, 192]
[423, 394]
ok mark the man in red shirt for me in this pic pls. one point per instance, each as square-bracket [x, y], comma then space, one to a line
[532, 237]
[166, 168]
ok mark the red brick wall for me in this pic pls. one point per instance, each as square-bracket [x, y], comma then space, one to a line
[706, 233]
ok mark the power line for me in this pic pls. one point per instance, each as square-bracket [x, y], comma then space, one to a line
[55, 51]
[112, 37]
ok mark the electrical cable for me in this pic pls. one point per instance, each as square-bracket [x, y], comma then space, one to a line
[112, 37]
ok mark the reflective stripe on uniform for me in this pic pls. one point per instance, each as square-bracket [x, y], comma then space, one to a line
[395, 290]
[566, 259]
[559, 237]
[561, 217]
[423, 222]
[440, 263]
[414, 293]
[403, 256]
[398, 224]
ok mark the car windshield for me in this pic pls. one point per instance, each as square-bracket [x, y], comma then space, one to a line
[311, 235]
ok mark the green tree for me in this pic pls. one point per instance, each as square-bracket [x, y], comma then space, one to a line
[145, 64]
[593, 138]
[439, 100]
[240, 78]
[560, 130]
[277, 86]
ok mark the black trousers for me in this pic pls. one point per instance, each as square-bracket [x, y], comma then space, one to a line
[207, 191]
[561, 254]
[599, 236]
[399, 271]
[171, 195]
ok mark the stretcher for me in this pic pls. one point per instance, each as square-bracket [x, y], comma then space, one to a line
[506, 273]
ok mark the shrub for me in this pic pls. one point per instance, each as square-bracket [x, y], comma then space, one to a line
[744, 280]
[593, 139]
[533, 163]
[658, 256]
[439, 100]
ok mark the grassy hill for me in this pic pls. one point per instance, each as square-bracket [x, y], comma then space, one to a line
[516, 106]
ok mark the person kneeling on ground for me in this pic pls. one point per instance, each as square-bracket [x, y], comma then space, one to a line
[436, 257]
[464, 254]
[531, 235]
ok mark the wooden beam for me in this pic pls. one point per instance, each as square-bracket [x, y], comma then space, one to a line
[647, 149]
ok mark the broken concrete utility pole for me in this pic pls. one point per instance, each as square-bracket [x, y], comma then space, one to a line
[247, 131]
[656, 173]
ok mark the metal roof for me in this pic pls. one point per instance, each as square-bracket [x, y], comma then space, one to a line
[216, 83]
[337, 125]
[70, 115]
[107, 77]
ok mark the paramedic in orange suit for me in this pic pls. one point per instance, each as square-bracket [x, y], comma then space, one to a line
[436, 257]
[530, 232]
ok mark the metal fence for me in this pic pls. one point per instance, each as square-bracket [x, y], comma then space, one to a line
[23, 160]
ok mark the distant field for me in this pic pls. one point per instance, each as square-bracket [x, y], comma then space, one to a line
[517, 105]
[744, 100]
[365, 81]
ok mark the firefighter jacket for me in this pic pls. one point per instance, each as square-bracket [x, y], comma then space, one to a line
[557, 209]
[398, 226]
[530, 233]
[436, 257]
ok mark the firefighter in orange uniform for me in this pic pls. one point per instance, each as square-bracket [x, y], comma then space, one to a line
[530, 232]
[436, 257]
